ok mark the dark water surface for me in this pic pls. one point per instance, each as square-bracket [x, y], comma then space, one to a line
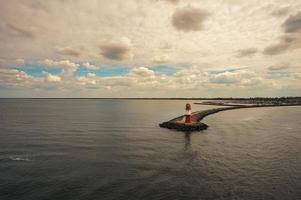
[69, 149]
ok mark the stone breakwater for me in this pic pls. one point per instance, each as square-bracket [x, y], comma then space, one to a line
[196, 125]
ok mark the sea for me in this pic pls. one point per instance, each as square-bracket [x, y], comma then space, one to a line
[101, 149]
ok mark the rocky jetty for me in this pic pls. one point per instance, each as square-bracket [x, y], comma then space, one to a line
[196, 125]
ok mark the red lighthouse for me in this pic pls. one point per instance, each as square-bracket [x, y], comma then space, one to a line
[188, 113]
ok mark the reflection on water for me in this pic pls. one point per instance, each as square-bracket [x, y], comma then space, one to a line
[114, 149]
[187, 140]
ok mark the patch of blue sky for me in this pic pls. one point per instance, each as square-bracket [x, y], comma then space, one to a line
[82, 71]
[163, 69]
[34, 70]
[103, 71]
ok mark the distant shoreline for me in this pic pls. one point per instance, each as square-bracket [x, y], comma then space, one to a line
[155, 98]
[199, 115]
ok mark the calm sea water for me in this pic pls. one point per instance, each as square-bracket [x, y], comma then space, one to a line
[60, 149]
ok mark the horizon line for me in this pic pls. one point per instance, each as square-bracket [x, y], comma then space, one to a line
[155, 98]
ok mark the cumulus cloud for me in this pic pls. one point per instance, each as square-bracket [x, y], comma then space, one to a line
[161, 59]
[90, 66]
[142, 71]
[88, 82]
[62, 63]
[117, 50]
[246, 52]
[189, 19]
[142, 79]
[68, 67]
[68, 51]
[230, 77]
[11, 78]
[293, 23]
[53, 78]
[237, 79]
[91, 75]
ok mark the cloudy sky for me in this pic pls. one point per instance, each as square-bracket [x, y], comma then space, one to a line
[150, 48]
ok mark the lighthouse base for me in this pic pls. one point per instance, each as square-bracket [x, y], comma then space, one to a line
[196, 126]
[188, 119]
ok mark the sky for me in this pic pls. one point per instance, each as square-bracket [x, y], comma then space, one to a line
[150, 48]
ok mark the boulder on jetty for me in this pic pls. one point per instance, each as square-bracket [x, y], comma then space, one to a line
[195, 126]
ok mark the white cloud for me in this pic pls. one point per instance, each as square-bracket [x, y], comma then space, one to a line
[142, 71]
[235, 77]
[90, 66]
[62, 63]
[11, 78]
[144, 81]
[53, 78]
[88, 82]
[91, 75]
[67, 66]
